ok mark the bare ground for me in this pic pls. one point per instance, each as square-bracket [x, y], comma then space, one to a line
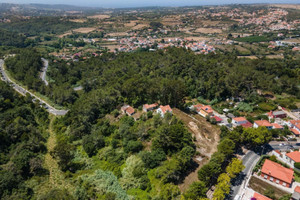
[207, 139]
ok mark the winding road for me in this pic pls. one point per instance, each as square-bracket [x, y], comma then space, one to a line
[23, 92]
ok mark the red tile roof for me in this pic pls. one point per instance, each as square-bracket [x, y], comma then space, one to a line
[277, 171]
[207, 109]
[130, 110]
[258, 196]
[262, 123]
[147, 106]
[239, 119]
[297, 189]
[218, 119]
[275, 125]
[166, 108]
[295, 131]
[295, 122]
[295, 156]
[247, 125]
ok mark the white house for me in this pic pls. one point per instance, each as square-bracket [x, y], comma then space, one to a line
[162, 110]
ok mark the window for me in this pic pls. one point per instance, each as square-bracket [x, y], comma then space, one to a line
[271, 178]
[265, 176]
[277, 181]
[284, 184]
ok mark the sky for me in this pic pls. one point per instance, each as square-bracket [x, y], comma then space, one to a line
[144, 3]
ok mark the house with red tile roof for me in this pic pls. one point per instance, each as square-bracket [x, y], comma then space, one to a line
[239, 120]
[264, 123]
[147, 107]
[247, 125]
[296, 194]
[258, 196]
[203, 110]
[295, 127]
[276, 173]
[218, 119]
[162, 110]
[292, 157]
[276, 126]
[126, 109]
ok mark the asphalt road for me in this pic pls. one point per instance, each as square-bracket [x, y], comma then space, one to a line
[44, 71]
[23, 92]
[249, 160]
[284, 145]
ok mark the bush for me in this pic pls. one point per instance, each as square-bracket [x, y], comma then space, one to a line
[133, 146]
[297, 165]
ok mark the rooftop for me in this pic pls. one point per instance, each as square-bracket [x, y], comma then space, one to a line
[262, 123]
[275, 125]
[239, 119]
[258, 196]
[277, 171]
[166, 108]
[295, 156]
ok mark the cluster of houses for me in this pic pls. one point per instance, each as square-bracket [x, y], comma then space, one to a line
[279, 176]
[161, 110]
[133, 43]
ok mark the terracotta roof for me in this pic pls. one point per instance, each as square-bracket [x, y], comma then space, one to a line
[275, 125]
[198, 107]
[208, 109]
[277, 151]
[218, 119]
[166, 108]
[297, 189]
[247, 125]
[295, 122]
[147, 106]
[258, 196]
[277, 171]
[239, 119]
[262, 123]
[295, 131]
[295, 156]
[130, 110]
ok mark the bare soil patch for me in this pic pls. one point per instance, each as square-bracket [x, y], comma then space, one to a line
[207, 139]
[208, 30]
[99, 17]
[85, 30]
[261, 186]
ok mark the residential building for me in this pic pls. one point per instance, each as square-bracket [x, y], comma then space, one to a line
[276, 173]
[276, 126]
[264, 123]
[218, 119]
[126, 109]
[162, 110]
[277, 114]
[295, 127]
[147, 107]
[247, 125]
[292, 157]
[258, 196]
[239, 120]
[296, 194]
[206, 111]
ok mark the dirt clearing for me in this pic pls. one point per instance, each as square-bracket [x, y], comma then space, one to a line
[99, 17]
[84, 30]
[207, 139]
[208, 30]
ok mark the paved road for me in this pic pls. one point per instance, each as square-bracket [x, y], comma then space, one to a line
[290, 114]
[23, 92]
[286, 145]
[249, 160]
[44, 71]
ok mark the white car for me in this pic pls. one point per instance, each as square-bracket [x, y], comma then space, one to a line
[281, 144]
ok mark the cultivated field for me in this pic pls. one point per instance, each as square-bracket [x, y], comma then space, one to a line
[85, 30]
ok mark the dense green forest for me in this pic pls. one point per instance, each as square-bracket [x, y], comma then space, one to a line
[8, 38]
[22, 143]
[26, 67]
[41, 25]
[141, 77]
